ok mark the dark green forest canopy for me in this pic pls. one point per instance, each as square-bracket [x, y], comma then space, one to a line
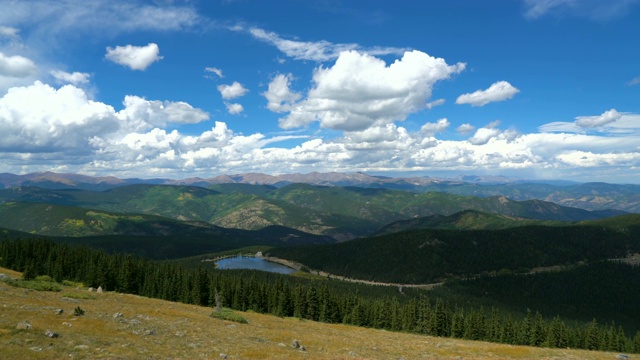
[432, 255]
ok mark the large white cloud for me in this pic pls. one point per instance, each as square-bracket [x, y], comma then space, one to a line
[134, 57]
[45, 128]
[498, 91]
[360, 91]
[232, 91]
[40, 118]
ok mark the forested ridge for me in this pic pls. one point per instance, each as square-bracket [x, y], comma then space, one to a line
[431, 255]
[313, 300]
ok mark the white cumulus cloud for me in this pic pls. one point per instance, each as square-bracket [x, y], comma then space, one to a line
[16, 66]
[498, 91]
[134, 57]
[233, 108]
[484, 134]
[360, 91]
[232, 91]
[40, 118]
[600, 120]
[433, 128]
[75, 78]
[143, 114]
[465, 129]
[279, 95]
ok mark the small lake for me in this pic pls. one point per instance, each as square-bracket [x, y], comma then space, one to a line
[253, 263]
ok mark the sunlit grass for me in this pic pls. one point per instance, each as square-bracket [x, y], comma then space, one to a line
[119, 326]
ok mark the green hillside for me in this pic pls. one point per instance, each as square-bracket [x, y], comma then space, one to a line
[431, 255]
[342, 212]
[145, 235]
[466, 219]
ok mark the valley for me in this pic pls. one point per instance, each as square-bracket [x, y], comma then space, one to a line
[449, 259]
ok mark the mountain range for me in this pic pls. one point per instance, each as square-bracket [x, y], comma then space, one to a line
[588, 196]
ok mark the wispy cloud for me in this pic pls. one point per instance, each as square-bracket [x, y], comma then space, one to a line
[595, 9]
[633, 82]
[44, 18]
[319, 51]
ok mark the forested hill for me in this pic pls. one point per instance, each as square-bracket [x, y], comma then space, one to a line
[431, 255]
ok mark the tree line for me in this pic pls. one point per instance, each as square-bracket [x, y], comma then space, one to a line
[313, 300]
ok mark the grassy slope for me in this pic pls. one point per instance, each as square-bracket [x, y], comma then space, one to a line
[158, 329]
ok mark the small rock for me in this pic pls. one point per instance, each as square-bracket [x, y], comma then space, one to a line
[223, 356]
[622, 357]
[150, 332]
[4, 277]
[118, 315]
[295, 344]
[282, 344]
[67, 324]
[81, 347]
[35, 348]
[59, 311]
[71, 300]
[302, 348]
[90, 289]
[99, 291]
[25, 325]
[51, 334]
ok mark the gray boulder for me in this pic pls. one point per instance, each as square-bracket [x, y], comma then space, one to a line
[25, 325]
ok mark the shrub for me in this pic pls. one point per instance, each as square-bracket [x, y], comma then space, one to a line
[35, 285]
[78, 311]
[72, 283]
[230, 315]
[82, 296]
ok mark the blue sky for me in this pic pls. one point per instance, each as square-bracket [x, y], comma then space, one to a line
[523, 88]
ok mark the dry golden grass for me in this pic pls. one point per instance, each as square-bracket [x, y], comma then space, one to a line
[155, 329]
